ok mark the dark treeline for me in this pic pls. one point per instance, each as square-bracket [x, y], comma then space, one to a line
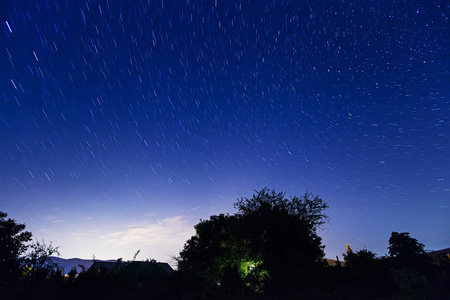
[268, 249]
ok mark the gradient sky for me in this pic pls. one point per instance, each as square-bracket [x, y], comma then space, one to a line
[123, 123]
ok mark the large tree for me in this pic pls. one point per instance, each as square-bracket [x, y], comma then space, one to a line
[270, 239]
[13, 239]
[407, 252]
[402, 245]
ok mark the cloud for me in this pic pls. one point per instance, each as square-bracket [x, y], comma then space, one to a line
[169, 231]
[53, 219]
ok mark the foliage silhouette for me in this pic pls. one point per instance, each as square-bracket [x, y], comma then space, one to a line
[269, 240]
[407, 252]
[268, 249]
[365, 273]
[401, 245]
[411, 284]
[39, 259]
[13, 239]
[359, 259]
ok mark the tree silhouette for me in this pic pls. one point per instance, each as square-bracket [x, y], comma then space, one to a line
[213, 254]
[39, 262]
[13, 239]
[402, 245]
[362, 258]
[407, 252]
[412, 267]
[269, 239]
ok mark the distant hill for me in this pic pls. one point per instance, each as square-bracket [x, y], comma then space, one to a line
[438, 253]
[333, 262]
[70, 263]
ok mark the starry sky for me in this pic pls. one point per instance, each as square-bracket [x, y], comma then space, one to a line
[123, 123]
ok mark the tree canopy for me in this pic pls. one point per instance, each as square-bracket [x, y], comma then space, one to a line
[360, 259]
[269, 238]
[402, 245]
[13, 239]
[407, 252]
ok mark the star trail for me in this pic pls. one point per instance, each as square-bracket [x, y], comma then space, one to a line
[123, 123]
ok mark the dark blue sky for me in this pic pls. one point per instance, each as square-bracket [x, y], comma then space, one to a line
[123, 123]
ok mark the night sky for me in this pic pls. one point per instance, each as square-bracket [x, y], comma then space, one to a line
[123, 123]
